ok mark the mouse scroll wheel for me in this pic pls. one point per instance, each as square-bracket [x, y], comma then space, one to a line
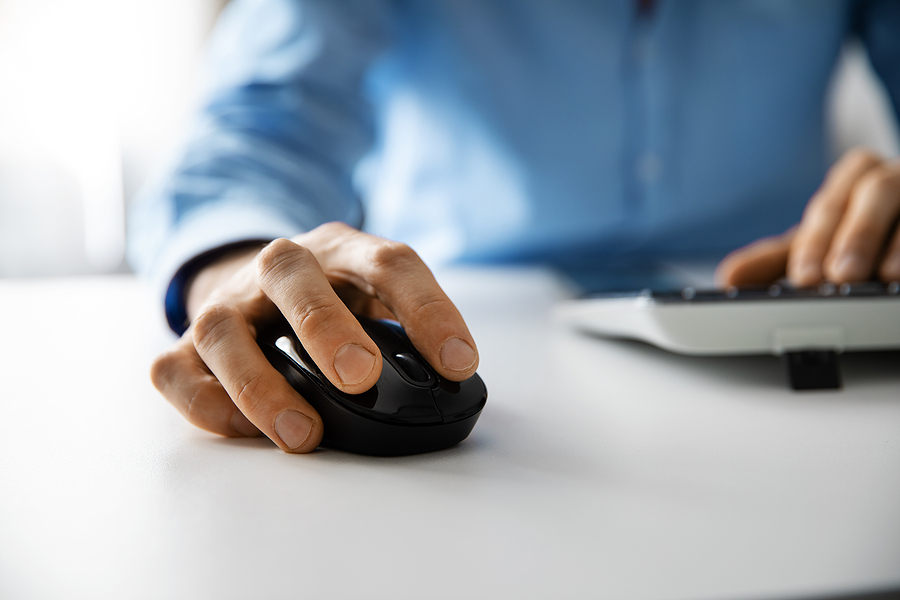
[412, 367]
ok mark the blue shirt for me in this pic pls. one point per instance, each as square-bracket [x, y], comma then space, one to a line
[510, 130]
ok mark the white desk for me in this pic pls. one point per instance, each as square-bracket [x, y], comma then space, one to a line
[598, 470]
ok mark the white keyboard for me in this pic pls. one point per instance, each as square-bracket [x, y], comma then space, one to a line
[775, 320]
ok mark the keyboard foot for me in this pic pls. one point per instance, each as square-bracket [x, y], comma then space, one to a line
[813, 369]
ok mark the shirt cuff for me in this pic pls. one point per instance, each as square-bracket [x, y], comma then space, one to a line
[203, 236]
[176, 293]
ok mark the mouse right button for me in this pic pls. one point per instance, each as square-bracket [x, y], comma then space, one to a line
[400, 402]
[459, 400]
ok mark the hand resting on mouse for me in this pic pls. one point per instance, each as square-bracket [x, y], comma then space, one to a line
[217, 376]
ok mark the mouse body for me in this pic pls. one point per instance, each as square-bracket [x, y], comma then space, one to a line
[410, 410]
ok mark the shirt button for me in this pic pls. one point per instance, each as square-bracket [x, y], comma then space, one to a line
[649, 168]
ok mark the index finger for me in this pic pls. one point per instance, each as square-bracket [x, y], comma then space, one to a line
[398, 277]
[291, 277]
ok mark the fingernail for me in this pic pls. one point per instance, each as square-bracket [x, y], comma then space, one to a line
[457, 355]
[806, 274]
[242, 425]
[353, 363]
[293, 428]
[851, 267]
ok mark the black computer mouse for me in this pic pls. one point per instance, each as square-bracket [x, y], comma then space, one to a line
[411, 409]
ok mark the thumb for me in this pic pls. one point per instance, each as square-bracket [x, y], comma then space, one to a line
[759, 263]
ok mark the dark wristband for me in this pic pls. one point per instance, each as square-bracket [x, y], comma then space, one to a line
[176, 300]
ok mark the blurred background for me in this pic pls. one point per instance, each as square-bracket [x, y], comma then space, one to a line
[94, 95]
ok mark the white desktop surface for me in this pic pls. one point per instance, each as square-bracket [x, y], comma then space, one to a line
[598, 469]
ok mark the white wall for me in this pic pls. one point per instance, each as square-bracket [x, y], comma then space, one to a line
[93, 93]
[859, 110]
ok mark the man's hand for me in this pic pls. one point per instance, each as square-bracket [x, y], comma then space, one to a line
[217, 376]
[849, 232]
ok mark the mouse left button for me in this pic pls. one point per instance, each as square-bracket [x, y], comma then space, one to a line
[295, 353]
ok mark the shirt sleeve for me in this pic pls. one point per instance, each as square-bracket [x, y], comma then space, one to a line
[878, 25]
[284, 122]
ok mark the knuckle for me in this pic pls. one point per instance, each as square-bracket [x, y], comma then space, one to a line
[209, 408]
[819, 224]
[878, 182]
[279, 258]
[316, 315]
[200, 404]
[387, 257]
[430, 306]
[335, 228]
[163, 367]
[821, 202]
[253, 391]
[326, 235]
[213, 322]
[860, 156]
